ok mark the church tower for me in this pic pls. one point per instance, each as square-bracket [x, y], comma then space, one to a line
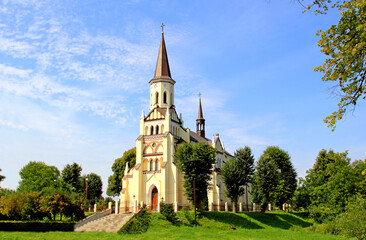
[200, 122]
[162, 85]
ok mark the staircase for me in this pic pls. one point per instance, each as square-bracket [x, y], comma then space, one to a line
[109, 223]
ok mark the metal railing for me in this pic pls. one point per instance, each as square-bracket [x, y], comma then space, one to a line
[93, 217]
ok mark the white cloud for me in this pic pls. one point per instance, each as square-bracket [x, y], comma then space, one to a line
[13, 125]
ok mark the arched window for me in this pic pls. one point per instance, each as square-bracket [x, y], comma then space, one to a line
[151, 165]
[164, 97]
[146, 130]
[162, 129]
[156, 98]
[151, 130]
[157, 129]
[156, 165]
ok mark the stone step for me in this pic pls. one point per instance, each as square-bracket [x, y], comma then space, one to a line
[110, 223]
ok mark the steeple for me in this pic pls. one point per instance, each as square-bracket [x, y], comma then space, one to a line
[162, 69]
[200, 122]
[162, 85]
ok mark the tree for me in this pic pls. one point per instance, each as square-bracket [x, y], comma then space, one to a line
[332, 183]
[94, 186]
[275, 177]
[1, 176]
[195, 161]
[37, 177]
[118, 168]
[71, 174]
[345, 46]
[237, 174]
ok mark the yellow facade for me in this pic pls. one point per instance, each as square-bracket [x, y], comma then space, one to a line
[155, 177]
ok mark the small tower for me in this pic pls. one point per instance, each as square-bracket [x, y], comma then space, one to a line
[200, 122]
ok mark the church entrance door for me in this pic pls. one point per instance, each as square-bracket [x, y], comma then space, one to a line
[154, 199]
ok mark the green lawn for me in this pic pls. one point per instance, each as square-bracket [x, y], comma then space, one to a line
[216, 225]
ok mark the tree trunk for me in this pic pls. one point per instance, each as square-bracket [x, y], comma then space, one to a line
[264, 208]
[234, 207]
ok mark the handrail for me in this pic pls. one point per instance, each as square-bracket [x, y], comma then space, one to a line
[93, 217]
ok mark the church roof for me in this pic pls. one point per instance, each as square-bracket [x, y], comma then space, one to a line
[197, 138]
[162, 69]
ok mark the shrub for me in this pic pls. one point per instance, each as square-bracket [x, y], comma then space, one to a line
[138, 223]
[32, 209]
[12, 205]
[168, 211]
[352, 222]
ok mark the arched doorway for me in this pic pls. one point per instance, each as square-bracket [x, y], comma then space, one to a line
[154, 199]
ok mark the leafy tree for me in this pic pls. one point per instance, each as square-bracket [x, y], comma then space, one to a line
[1, 176]
[71, 174]
[332, 183]
[118, 168]
[195, 161]
[345, 46]
[237, 173]
[94, 186]
[301, 199]
[275, 177]
[36, 176]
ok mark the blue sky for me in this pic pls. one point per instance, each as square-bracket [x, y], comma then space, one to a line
[74, 78]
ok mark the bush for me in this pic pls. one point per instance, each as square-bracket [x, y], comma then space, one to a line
[322, 213]
[167, 211]
[352, 222]
[32, 209]
[138, 223]
[11, 206]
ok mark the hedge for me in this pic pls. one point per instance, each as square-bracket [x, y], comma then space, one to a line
[36, 226]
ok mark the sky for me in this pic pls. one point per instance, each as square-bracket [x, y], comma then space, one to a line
[74, 79]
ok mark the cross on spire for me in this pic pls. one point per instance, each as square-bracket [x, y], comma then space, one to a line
[162, 27]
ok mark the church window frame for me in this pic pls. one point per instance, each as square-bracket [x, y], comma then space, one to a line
[156, 98]
[162, 129]
[146, 130]
[157, 129]
[156, 165]
[152, 130]
[151, 165]
[164, 97]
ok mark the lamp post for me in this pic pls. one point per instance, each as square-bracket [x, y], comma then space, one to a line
[86, 187]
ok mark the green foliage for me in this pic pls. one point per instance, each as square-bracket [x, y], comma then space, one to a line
[237, 173]
[275, 177]
[32, 206]
[1, 176]
[301, 199]
[94, 187]
[11, 206]
[32, 209]
[332, 183]
[37, 176]
[352, 222]
[195, 161]
[167, 211]
[138, 223]
[71, 174]
[118, 168]
[345, 46]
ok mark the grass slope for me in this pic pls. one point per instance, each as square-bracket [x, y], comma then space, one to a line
[214, 225]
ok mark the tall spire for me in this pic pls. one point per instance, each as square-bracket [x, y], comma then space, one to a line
[200, 122]
[200, 114]
[162, 69]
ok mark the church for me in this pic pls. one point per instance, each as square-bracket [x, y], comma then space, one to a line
[155, 177]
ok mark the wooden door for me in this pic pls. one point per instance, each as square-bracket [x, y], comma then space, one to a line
[154, 199]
